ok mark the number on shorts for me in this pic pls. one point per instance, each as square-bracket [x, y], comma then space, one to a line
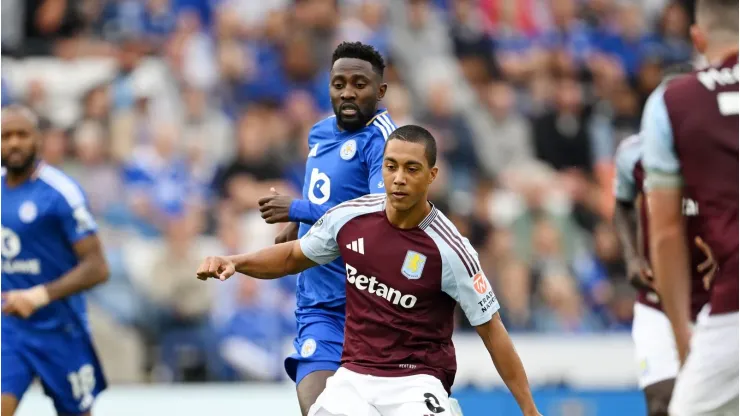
[82, 382]
[433, 403]
[728, 103]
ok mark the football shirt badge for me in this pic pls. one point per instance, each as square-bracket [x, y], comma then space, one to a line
[28, 212]
[348, 149]
[413, 265]
[308, 348]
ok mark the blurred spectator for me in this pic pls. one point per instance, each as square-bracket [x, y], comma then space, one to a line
[255, 167]
[181, 299]
[562, 309]
[100, 179]
[180, 312]
[43, 27]
[366, 24]
[7, 96]
[510, 138]
[561, 135]
[159, 185]
[253, 337]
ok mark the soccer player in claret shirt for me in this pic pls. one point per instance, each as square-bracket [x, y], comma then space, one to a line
[345, 162]
[51, 254]
[655, 346]
[406, 268]
[690, 133]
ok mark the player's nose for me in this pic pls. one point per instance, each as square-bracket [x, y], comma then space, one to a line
[348, 94]
[399, 179]
[11, 141]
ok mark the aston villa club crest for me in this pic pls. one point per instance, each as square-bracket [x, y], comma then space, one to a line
[413, 265]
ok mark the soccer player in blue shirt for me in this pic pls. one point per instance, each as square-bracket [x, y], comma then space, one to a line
[345, 162]
[50, 255]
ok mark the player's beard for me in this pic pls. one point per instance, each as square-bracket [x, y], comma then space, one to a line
[356, 122]
[19, 168]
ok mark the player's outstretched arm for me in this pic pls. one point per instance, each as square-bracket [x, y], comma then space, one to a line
[270, 263]
[507, 362]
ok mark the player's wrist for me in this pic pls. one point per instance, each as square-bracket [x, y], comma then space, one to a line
[39, 296]
[292, 210]
[530, 409]
[299, 210]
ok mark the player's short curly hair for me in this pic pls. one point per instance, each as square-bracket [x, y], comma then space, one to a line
[359, 50]
[417, 134]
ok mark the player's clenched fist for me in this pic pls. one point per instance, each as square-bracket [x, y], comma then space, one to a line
[217, 267]
[25, 302]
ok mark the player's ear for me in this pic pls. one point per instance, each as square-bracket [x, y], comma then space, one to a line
[381, 90]
[698, 38]
[433, 174]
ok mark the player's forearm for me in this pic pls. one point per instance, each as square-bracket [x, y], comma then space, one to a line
[670, 259]
[507, 363]
[625, 223]
[306, 212]
[272, 262]
[91, 271]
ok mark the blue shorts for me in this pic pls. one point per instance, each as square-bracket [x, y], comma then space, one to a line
[318, 344]
[66, 364]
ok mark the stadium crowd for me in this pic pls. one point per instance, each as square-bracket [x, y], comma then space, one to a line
[176, 116]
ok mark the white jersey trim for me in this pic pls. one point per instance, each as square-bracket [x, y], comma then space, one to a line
[384, 124]
[64, 185]
[320, 242]
[462, 277]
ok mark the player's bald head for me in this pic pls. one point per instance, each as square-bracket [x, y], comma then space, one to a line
[718, 19]
[17, 112]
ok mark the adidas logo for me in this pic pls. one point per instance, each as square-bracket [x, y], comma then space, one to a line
[358, 246]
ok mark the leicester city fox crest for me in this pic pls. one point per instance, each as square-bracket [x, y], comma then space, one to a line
[413, 265]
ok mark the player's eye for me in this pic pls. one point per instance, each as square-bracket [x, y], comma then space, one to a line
[360, 85]
[338, 85]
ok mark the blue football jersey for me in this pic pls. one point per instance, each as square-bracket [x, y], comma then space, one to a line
[41, 220]
[341, 166]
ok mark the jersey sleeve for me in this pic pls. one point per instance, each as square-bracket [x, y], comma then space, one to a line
[75, 217]
[659, 158]
[628, 153]
[464, 281]
[320, 242]
[305, 211]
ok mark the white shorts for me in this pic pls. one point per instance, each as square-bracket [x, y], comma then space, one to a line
[351, 394]
[708, 382]
[655, 346]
